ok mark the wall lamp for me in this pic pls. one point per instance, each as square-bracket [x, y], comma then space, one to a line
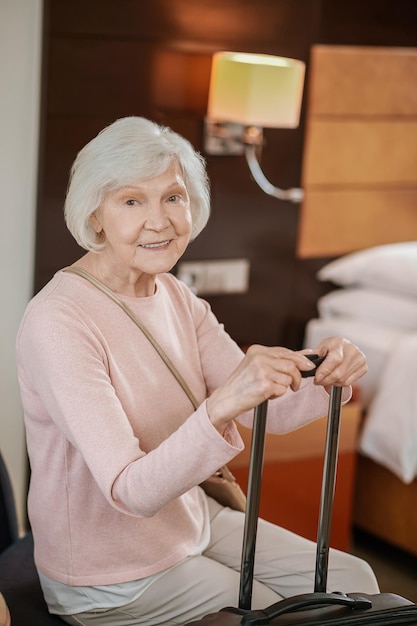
[250, 92]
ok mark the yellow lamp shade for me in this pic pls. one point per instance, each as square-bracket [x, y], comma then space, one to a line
[256, 90]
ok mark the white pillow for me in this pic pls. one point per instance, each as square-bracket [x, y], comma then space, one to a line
[389, 435]
[369, 305]
[392, 267]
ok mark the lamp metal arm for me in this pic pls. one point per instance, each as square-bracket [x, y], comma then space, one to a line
[294, 194]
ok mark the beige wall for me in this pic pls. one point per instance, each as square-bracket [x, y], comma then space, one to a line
[20, 55]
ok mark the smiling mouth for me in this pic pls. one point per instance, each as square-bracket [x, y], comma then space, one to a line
[155, 245]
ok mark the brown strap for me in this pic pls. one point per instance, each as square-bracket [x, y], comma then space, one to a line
[139, 324]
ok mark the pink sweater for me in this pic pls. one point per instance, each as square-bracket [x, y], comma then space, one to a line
[115, 446]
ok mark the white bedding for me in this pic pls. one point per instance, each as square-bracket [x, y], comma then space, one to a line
[388, 390]
[375, 306]
[389, 435]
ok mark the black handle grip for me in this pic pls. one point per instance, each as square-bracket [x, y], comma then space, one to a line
[304, 601]
[317, 360]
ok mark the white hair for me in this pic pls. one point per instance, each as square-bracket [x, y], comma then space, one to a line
[130, 149]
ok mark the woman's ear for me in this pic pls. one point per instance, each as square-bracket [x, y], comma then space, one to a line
[95, 222]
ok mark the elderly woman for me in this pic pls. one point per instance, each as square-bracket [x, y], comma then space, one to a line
[123, 533]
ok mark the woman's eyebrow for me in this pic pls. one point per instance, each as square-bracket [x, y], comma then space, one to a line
[140, 189]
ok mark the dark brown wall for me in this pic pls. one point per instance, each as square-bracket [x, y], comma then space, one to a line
[105, 59]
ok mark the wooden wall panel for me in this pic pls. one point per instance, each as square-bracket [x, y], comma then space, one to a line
[353, 80]
[360, 157]
[343, 221]
[358, 152]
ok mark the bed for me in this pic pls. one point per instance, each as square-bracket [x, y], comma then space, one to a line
[372, 300]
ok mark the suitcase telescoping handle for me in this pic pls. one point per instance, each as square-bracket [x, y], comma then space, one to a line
[254, 490]
[328, 488]
[324, 527]
[328, 483]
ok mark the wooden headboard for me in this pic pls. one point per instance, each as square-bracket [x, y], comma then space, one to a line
[360, 154]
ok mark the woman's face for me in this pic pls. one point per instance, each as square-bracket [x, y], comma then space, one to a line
[146, 227]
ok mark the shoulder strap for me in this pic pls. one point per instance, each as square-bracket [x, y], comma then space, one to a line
[139, 324]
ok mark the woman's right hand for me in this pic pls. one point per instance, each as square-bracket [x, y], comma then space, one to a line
[264, 373]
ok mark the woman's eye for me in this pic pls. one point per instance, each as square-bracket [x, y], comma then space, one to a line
[130, 202]
[174, 198]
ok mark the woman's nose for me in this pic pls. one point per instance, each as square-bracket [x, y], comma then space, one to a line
[157, 216]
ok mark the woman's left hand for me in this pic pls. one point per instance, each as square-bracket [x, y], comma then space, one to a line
[343, 365]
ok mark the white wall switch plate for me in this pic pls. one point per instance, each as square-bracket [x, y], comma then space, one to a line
[215, 277]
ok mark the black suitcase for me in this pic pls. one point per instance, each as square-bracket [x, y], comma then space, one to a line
[318, 607]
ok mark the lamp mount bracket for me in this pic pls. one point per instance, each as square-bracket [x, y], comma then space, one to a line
[229, 138]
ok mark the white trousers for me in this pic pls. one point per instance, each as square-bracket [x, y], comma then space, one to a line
[284, 566]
